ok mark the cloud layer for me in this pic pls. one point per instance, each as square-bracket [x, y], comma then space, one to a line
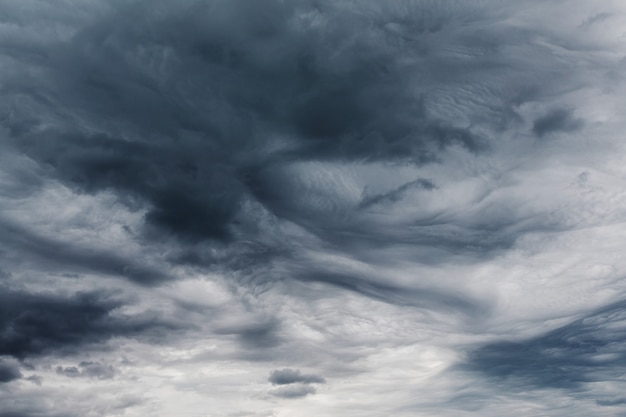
[421, 201]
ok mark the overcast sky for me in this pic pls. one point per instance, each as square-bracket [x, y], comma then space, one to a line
[304, 208]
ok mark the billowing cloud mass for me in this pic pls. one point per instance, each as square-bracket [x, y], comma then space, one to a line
[404, 207]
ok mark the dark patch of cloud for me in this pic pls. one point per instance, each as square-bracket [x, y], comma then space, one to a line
[167, 178]
[18, 241]
[290, 376]
[293, 391]
[587, 350]
[95, 370]
[557, 120]
[9, 372]
[38, 323]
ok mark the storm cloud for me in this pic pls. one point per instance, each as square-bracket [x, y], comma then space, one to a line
[9, 372]
[421, 201]
[36, 323]
[196, 121]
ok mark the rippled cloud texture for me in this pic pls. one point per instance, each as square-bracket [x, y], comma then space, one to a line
[312, 208]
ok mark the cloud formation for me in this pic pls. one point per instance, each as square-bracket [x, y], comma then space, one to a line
[404, 197]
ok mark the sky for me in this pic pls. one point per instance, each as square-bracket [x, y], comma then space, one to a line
[305, 208]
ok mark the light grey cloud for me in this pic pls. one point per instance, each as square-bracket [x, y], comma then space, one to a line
[293, 391]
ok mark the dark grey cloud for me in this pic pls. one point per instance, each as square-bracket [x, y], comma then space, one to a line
[290, 376]
[557, 120]
[590, 349]
[9, 371]
[187, 134]
[41, 323]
